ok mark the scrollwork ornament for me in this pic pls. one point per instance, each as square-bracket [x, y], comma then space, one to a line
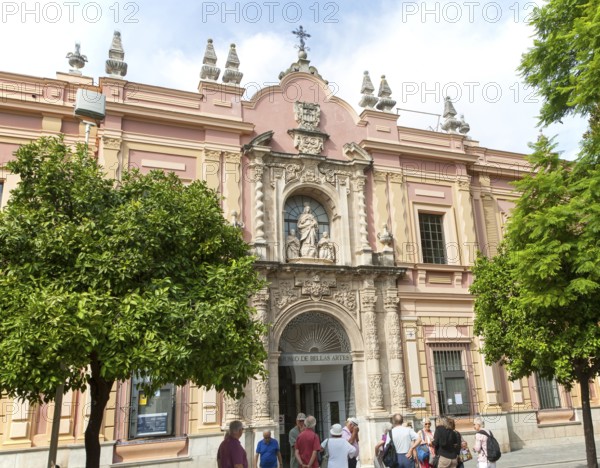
[398, 391]
[375, 391]
[287, 294]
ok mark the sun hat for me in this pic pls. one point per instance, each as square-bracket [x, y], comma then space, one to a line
[336, 430]
[353, 421]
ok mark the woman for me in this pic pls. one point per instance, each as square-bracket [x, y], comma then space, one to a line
[379, 447]
[337, 448]
[447, 443]
[427, 441]
[481, 444]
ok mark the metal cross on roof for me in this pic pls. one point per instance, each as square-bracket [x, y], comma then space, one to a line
[301, 33]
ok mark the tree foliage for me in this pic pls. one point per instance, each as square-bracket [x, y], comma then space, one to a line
[538, 300]
[564, 64]
[100, 282]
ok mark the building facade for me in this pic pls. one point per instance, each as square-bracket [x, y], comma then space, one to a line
[366, 232]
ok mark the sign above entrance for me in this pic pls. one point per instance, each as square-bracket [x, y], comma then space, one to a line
[314, 359]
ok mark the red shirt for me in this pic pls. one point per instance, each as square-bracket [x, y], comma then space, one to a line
[307, 443]
[232, 453]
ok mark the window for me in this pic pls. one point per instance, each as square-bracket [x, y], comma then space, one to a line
[548, 392]
[452, 389]
[432, 238]
[151, 415]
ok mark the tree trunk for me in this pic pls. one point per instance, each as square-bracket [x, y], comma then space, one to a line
[100, 392]
[588, 425]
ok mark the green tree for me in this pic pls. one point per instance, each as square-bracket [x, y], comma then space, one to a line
[538, 300]
[100, 282]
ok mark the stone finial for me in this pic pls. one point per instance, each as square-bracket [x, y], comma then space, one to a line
[451, 124]
[232, 74]
[385, 237]
[76, 60]
[209, 70]
[386, 103]
[115, 65]
[367, 88]
[464, 126]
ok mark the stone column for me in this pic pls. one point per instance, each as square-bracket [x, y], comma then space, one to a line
[261, 385]
[364, 251]
[232, 409]
[465, 219]
[394, 344]
[368, 302]
[258, 234]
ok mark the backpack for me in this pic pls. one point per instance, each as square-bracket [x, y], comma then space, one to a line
[390, 458]
[492, 449]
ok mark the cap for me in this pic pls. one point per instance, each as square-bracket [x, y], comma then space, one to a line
[353, 421]
[300, 417]
[336, 430]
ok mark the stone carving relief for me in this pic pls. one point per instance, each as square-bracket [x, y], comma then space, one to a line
[345, 296]
[307, 114]
[315, 287]
[261, 401]
[112, 143]
[308, 144]
[394, 343]
[370, 332]
[398, 391]
[375, 391]
[232, 408]
[286, 295]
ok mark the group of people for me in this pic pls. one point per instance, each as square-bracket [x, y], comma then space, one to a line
[445, 442]
[340, 448]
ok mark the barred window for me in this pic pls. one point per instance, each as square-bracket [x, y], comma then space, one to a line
[452, 388]
[432, 238]
[548, 392]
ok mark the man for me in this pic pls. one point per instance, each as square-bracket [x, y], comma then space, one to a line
[405, 439]
[350, 433]
[268, 450]
[307, 445]
[294, 433]
[231, 454]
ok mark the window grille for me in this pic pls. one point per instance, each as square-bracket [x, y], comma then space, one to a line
[548, 392]
[452, 386]
[433, 245]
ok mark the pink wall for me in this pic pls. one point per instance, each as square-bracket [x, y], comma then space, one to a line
[187, 172]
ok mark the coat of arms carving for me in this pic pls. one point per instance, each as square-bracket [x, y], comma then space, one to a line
[307, 114]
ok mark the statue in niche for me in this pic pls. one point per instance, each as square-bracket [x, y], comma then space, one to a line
[292, 245]
[326, 248]
[308, 228]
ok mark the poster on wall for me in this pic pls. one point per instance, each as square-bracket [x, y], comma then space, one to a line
[152, 424]
[417, 402]
[282, 424]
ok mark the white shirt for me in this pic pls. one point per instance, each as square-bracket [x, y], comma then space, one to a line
[403, 438]
[339, 452]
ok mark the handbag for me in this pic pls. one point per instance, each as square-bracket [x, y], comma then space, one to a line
[423, 450]
[465, 455]
[434, 462]
[324, 462]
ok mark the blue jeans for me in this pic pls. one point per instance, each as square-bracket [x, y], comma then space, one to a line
[404, 462]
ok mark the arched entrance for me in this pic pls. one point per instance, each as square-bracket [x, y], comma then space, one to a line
[315, 374]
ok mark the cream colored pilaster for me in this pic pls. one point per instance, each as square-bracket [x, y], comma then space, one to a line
[412, 355]
[258, 232]
[400, 219]
[394, 351]
[232, 189]
[211, 169]
[490, 386]
[51, 124]
[380, 202]
[110, 157]
[368, 302]
[261, 385]
[10, 182]
[517, 392]
[465, 219]
[489, 214]
[343, 235]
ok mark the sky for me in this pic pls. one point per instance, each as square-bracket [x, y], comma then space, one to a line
[468, 50]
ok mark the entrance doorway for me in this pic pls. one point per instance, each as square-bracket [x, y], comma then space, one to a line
[315, 376]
